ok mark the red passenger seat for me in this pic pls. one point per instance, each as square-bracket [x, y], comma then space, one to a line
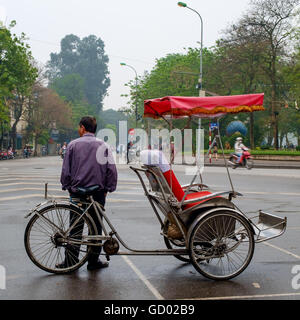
[179, 192]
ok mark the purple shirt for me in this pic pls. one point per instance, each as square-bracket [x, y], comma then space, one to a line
[88, 161]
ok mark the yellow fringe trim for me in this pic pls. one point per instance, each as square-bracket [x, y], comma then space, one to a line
[199, 110]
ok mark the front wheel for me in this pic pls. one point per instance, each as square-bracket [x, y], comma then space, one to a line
[221, 245]
[48, 244]
[249, 164]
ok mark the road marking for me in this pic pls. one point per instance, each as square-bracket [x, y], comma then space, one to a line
[24, 178]
[248, 296]
[125, 187]
[59, 190]
[256, 285]
[13, 277]
[282, 250]
[143, 278]
[29, 189]
[272, 193]
[27, 183]
[58, 197]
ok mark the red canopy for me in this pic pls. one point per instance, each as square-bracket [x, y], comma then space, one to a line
[203, 107]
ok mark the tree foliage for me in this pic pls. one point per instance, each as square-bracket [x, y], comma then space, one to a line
[255, 54]
[46, 111]
[17, 75]
[85, 58]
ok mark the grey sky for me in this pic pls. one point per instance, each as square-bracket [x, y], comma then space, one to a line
[134, 31]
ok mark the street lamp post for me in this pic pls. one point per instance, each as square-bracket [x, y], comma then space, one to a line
[136, 85]
[201, 92]
[184, 5]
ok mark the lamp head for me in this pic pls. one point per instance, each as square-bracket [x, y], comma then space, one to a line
[182, 4]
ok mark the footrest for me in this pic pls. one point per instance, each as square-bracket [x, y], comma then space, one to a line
[268, 226]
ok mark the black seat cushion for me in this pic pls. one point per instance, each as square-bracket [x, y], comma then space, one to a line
[87, 191]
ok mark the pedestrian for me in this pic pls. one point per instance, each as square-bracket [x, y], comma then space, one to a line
[172, 149]
[129, 146]
[84, 166]
[215, 150]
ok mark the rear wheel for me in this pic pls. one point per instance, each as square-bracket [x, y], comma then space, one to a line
[232, 162]
[47, 244]
[249, 164]
[221, 245]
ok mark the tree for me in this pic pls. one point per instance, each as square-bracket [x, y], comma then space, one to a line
[173, 75]
[85, 57]
[46, 111]
[17, 75]
[240, 59]
[69, 87]
[271, 22]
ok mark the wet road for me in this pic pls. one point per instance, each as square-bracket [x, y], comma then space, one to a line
[269, 275]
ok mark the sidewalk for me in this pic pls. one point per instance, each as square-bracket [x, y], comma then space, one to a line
[268, 164]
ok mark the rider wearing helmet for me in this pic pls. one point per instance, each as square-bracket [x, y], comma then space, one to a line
[239, 148]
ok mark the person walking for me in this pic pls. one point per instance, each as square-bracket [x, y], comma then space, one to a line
[84, 166]
[215, 150]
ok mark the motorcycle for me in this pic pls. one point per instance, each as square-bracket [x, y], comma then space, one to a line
[10, 155]
[3, 155]
[63, 152]
[246, 160]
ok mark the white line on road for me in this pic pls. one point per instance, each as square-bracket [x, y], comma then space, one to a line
[282, 250]
[255, 296]
[28, 196]
[60, 191]
[143, 278]
[120, 187]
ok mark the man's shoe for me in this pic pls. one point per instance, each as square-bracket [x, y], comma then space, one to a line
[61, 265]
[64, 265]
[97, 265]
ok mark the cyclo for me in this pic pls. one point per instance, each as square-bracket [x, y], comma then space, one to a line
[198, 226]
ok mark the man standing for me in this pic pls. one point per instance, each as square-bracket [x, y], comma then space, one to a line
[82, 167]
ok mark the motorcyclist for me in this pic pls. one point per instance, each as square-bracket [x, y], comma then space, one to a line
[63, 150]
[239, 147]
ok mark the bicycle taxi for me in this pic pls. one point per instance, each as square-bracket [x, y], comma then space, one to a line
[198, 226]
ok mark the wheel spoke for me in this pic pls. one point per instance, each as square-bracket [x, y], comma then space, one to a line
[45, 243]
[217, 248]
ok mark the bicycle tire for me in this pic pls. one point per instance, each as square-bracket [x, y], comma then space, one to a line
[50, 234]
[215, 237]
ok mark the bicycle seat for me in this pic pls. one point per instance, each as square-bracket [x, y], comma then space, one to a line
[87, 191]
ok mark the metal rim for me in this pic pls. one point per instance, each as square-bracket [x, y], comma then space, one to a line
[221, 245]
[45, 244]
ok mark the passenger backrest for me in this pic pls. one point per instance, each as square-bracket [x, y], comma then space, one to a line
[168, 181]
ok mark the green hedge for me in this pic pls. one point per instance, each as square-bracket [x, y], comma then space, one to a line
[267, 152]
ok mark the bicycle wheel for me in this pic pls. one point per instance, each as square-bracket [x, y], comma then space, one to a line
[46, 241]
[175, 244]
[221, 245]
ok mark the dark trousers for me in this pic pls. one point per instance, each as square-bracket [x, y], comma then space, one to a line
[72, 251]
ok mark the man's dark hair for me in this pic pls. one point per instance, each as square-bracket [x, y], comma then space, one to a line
[90, 124]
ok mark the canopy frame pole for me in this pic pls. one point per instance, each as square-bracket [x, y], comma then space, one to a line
[226, 164]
